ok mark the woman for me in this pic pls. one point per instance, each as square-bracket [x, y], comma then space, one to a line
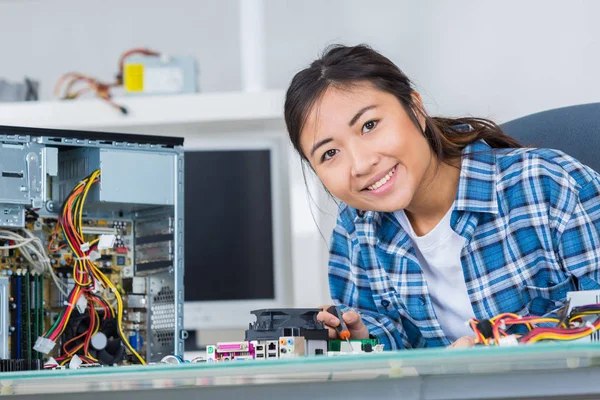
[440, 220]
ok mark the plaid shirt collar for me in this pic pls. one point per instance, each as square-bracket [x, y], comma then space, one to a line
[477, 183]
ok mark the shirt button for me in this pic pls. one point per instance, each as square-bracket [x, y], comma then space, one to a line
[385, 304]
[551, 283]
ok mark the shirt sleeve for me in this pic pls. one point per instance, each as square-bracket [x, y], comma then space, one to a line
[349, 286]
[579, 244]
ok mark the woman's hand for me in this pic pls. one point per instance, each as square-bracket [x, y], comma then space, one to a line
[356, 326]
[463, 342]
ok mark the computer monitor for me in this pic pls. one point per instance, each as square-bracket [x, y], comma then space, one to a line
[237, 231]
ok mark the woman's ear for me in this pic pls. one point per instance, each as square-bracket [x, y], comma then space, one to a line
[419, 109]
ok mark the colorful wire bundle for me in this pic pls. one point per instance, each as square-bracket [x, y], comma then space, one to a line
[88, 278]
[494, 331]
[102, 89]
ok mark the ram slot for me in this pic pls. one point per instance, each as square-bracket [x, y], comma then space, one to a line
[34, 311]
[26, 316]
[4, 318]
[16, 295]
[40, 308]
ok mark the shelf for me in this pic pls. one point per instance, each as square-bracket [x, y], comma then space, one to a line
[202, 108]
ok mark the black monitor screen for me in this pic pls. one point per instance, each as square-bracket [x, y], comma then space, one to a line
[228, 226]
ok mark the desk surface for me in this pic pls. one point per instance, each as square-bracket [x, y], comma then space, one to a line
[541, 370]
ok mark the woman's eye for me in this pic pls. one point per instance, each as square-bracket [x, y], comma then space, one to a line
[369, 126]
[328, 154]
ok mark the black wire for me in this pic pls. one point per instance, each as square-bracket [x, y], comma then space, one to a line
[32, 93]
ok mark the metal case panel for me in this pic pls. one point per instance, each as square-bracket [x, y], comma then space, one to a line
[134, 176]
[21, 173]
[129, 177]
[12, 216]
[162, 309]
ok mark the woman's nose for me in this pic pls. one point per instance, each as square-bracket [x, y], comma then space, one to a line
[363, 161]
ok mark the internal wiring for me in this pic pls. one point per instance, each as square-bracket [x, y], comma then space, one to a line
[30, 244]
[494, 330]
[88, 278]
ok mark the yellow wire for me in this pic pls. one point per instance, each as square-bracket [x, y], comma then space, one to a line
[557, 336]
[583, 313]
[70, 310]
[119, 314]
[89, 183]
[95, 331]
[542, 320]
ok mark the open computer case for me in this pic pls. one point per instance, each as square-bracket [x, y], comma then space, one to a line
[91, 247]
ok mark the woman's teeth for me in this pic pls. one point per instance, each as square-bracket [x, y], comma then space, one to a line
[383, 180]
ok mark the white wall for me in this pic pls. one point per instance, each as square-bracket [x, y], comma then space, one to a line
[47, 38]
[498, 59]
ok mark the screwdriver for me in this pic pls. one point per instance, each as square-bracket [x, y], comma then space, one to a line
[341, 329]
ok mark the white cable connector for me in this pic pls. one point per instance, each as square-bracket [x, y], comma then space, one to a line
[510, 340]
[81, 304]
[588, 324]
[84, 247]
[75, 362]
[44, 345]
[106, 242]
[51, 363]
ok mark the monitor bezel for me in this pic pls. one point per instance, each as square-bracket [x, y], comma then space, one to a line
[232, 314]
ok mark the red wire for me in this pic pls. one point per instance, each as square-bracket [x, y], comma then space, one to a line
[92, 312]
[135, 51]
[572, 331]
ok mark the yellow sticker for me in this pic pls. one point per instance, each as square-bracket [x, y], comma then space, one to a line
[133, 77]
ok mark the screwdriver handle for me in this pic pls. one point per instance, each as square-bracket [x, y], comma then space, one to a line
[341, 329]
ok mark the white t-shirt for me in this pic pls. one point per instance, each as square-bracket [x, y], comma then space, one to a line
[439, 256]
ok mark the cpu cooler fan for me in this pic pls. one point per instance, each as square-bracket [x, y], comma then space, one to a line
[106, 345]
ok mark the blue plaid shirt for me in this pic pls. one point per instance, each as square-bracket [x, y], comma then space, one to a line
[531, 220]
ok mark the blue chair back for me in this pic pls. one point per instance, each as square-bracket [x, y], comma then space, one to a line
[574, 130]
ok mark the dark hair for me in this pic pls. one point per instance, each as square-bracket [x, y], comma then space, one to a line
[344, 66]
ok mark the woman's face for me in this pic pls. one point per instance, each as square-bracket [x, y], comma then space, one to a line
[365, 148]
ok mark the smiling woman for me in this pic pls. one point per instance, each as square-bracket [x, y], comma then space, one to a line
[441, 220]
[377, 147]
